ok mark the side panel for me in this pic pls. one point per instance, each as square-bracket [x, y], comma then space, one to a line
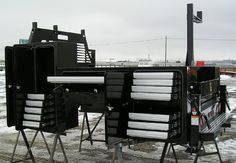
[9, 86]
[24, 68]
[163, 94]
[44, 66]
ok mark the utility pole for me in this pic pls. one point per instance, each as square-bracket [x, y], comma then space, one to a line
[191, 18]
[165, 50]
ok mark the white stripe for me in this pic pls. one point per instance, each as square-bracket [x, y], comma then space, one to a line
[36, 96]
[153, 89]
[31, 124]
[32, 117]
[33, 110]
[154, 75]
[34, 103]
[149, 117]
[151, 96]
[147, 134]
[76, 79]
[153, 82]
[148, 126]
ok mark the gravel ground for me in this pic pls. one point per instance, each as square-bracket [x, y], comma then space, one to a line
[149, 152]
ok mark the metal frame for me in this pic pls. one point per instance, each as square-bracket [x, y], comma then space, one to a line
[56, 138]
[44, 139]
[117, 153]
[164, 151]
[201, 153]
[63, 66]
[29, 146]
[90, 132]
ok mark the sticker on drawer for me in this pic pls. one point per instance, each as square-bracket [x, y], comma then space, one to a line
[194, 120]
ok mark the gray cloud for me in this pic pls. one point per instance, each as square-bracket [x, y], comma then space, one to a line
[110, 21]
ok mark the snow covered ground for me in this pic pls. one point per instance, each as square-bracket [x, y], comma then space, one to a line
[149, 152]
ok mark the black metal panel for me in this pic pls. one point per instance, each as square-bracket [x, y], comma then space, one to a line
[200, 74]
[91, 97]
[194, 90]
[38, 35]
[32, 65]
[66, 110]
[24, 67]
[223, 98]
[9, 86]
[27, 69]
[44, 66]
[19, 103]
[118, 86]
[207, 87]
[82, 54]
[207, 105]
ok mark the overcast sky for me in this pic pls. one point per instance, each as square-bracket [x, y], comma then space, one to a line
[127, 29]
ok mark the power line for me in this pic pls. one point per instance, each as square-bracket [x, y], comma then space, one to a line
[127, 42]
[158, 39]
[169, 38]
[215, 39]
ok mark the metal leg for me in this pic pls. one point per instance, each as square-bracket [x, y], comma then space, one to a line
[82, 132]
[90, 132]
[32, 142]
[164, 152]
[62, 148]
[168, 152]
[57, 137]
[27, 145]
[88, 127]
[196, 158]
[100, 118]
[44, 139]
[172, 146]
[203, 147]
[198, 150]
[128, 142]
[198, 154]
[218, 151]
[46, 144]
[14, 150]
[118, 153]
[53, 149]
[95, 126]
[120, 156]
[114, 156]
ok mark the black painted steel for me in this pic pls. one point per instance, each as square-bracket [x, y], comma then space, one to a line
[188, 101]
[29, 65]
[191, 19]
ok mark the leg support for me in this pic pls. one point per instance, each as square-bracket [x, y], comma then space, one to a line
[90, 132]
[82, 133]
[164, 152]
[118, 153]
[172, 146]
[88, 127]
[14, 150]
[32, 142]
[27, 146]
[204, 153]
[57, 137]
